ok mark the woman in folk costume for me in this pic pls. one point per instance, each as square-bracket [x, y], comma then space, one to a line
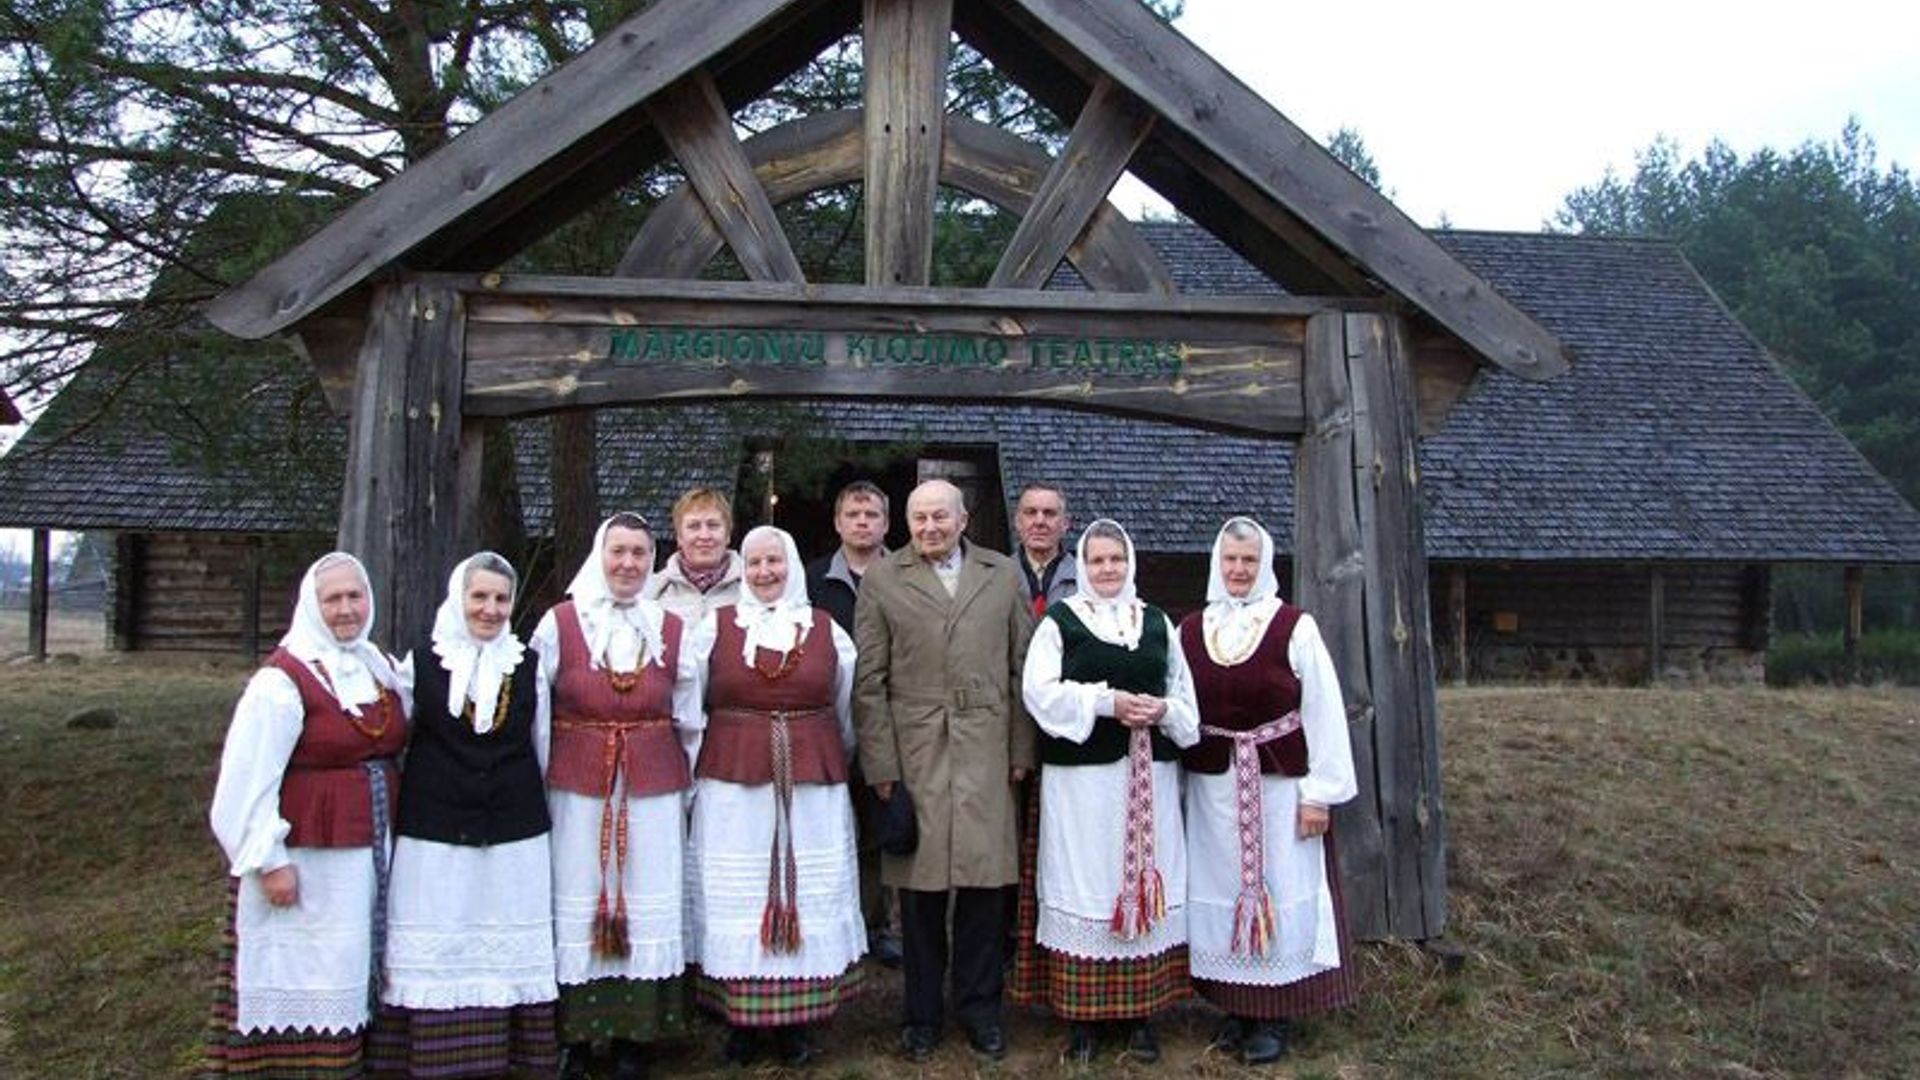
[1105, 681]
[302, 808]
[470, 984]
[1268, 932]
[775, 878]
[625, 725]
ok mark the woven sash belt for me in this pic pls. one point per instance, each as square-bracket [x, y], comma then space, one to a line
[1253, 911]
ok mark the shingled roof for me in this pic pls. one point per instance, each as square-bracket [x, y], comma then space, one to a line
[1675, 437]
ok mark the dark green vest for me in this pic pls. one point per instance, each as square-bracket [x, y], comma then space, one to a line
[1086, 659]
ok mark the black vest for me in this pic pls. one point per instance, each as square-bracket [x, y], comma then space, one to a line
[1086, 659]
[460, 787]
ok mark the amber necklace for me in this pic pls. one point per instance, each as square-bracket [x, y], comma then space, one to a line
[380, 704]
[499, 709]
[786, 665]
[1227, 654]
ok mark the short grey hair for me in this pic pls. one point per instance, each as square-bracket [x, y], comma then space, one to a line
[492, 563]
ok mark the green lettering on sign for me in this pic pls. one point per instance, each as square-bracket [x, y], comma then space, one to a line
[729, 348]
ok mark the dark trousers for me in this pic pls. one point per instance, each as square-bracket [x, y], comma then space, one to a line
[979, 927]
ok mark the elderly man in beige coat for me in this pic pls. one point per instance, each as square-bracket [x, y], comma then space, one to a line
[942, 633]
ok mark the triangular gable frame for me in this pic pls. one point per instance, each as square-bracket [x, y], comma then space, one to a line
[401, 283]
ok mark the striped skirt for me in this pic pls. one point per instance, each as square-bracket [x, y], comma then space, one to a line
[770, 1003]
[281, 1055]
[439, 1044]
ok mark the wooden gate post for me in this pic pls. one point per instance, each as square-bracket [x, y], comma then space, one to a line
[39, 610]
[399, 507]
[1362, 570]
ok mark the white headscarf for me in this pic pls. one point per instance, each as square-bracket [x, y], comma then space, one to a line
[354, 670]
[1117, 619]
[621, 635]
[1236, 622]
[781, 623]
[475, 668]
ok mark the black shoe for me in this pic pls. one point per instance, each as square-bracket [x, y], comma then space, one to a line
[1082, 1041]
[1226, 1038]
[743, 1046]
[988, 1041]
[574, 1059]
[885, 947]
[795, 1046]
[628, 1061]
[918, 1042]
[1264, 1043]
[1141, 1044]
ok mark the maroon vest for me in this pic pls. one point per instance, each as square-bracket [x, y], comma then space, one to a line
[743, 701]
[1260, 688]
[601, 732]
[325, 794]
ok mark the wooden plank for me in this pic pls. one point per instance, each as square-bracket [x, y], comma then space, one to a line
[696, 127]
[1656, 623]
[1855, 581]
[1399, 628]
[255, 570]
[1329, 582]
[630, 64]
[825, 150]
[124, 592]
[1110, 127]
[400, 500]
[1191, 92]
[1457, 622]
[904, 90]
[38, 592]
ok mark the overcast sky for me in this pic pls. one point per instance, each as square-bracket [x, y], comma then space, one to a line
[1490, 112]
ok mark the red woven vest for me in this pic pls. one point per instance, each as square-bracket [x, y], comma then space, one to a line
[600, 733]
[325, 795]
[1260, 688]
[742, 703]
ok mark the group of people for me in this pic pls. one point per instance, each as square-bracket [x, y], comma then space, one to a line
[653, 809]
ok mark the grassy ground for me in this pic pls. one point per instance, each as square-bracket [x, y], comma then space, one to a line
[1719, 882]
[80, 633]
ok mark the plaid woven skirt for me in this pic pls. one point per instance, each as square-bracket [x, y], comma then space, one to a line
[768, 1003]
[441, 1044]
[1073, 987]
[282, 1055]
[1315, 994]
[637, 1010]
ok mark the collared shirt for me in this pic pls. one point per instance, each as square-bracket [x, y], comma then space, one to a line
[948, 569]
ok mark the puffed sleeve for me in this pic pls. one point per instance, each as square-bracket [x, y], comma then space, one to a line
[1063, 708]
[842, 679]
[1323, 715]
[1181, 725]
[245, 813]
[690, 683]
[546, 648]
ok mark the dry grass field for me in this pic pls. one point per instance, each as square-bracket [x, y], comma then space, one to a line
[77, 633]
[1710, 882]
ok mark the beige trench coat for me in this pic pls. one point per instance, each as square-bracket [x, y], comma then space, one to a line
[936, 705]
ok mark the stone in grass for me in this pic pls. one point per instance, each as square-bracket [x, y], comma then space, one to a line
[98, 718]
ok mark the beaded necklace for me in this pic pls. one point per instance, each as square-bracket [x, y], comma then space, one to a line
[1247, 640]
[499, 709]
[786, 666]
[380, 704]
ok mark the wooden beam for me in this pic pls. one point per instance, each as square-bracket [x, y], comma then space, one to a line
[630, 64]
[1330, 583]
[696, 127]
[1109, 129]
[1399, 628]
[400, 501]
[905, 45]
[254, 577]
[825, 150]
[1457, 621]
[1656, 623]
[1855, 580]
[125, 592]
[38, 594]
[1191, 92]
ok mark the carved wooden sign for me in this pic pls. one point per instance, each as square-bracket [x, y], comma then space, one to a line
[1230, 363]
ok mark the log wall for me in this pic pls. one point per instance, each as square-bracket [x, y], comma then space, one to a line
[189, 591]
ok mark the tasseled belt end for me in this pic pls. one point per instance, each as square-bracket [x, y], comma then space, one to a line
[780, 928]
[1138, 910]
[1253, 922]
[610, 933]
